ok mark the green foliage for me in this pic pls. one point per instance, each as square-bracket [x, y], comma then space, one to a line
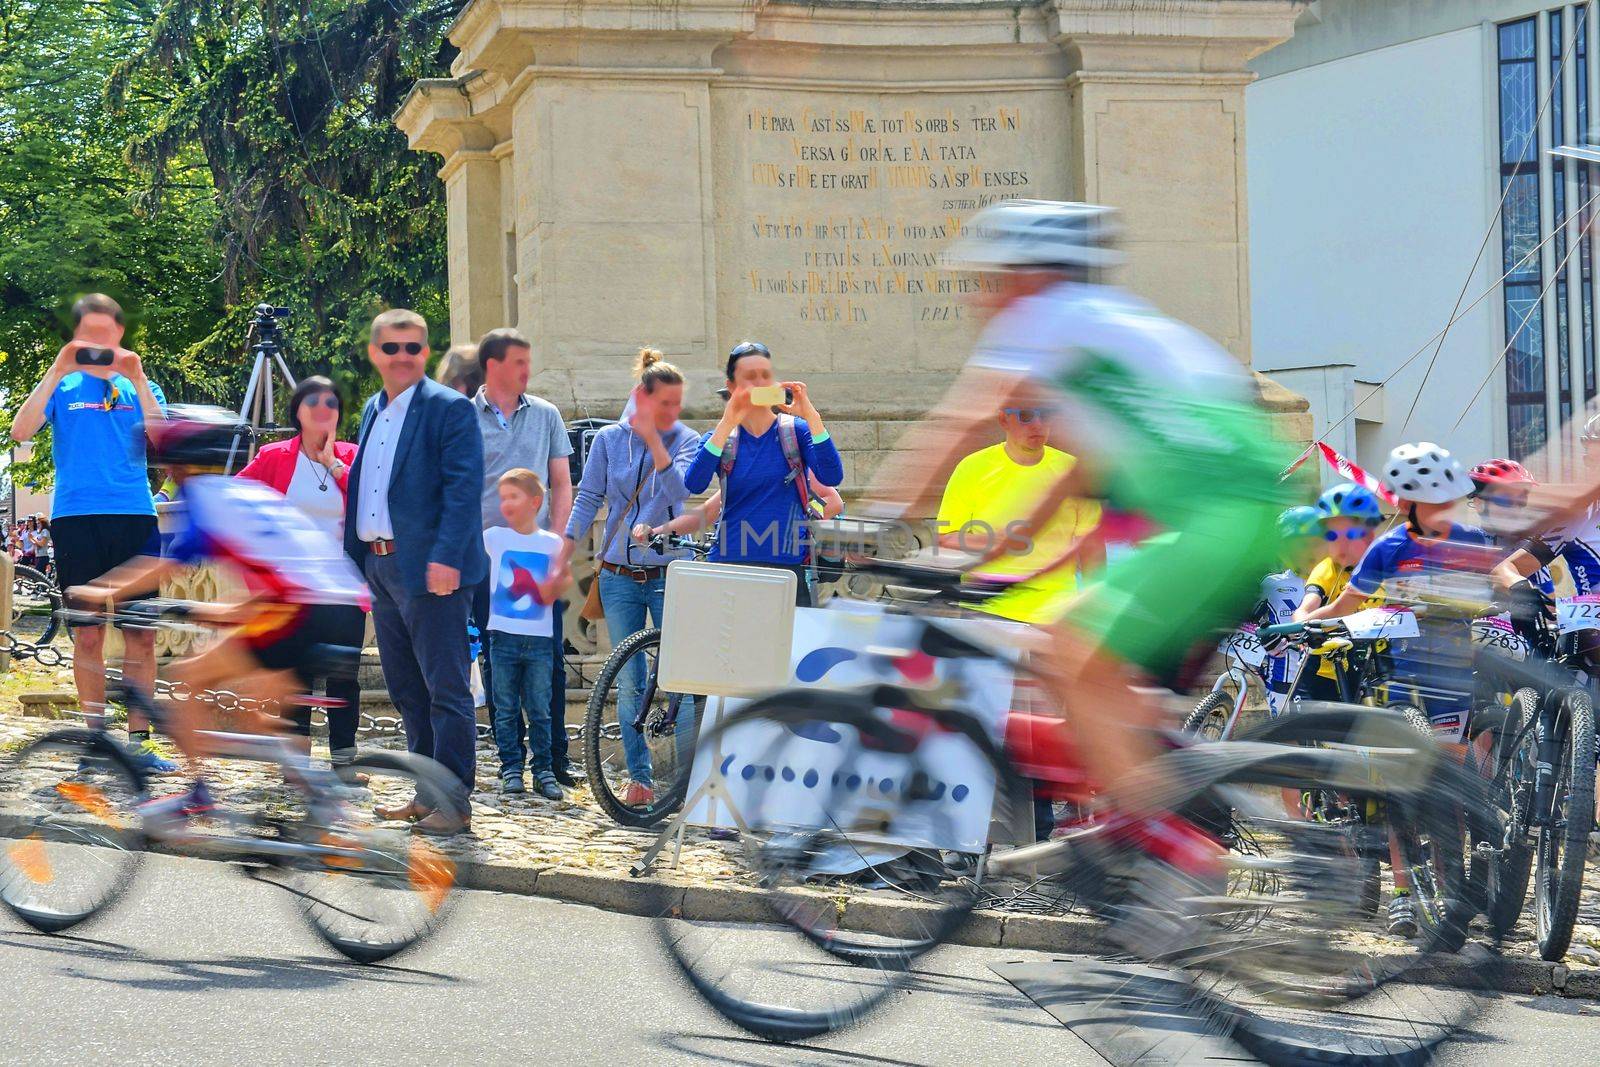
[196, 157]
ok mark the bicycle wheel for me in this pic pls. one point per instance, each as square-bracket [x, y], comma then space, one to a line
[71, 837]
[369, 889]
[1209, 719]
[1503, 872]
[1435, 859]
[638, 769]
[833, 790]
[35, 607]
[1306, 983]
[1563, 844]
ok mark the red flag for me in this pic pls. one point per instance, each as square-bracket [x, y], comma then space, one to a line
[1348, 470]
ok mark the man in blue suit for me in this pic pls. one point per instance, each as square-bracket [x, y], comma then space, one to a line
[412, 526]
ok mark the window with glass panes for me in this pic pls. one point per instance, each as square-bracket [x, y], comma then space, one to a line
[1549, 318]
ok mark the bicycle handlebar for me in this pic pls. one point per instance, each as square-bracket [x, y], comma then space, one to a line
[664, 543]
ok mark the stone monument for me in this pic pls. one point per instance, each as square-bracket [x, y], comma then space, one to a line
[692, 173]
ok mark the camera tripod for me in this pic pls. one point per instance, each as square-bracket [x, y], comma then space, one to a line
[267, 353]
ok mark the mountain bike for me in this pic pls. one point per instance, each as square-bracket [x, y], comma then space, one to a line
[660, 726]
[76, 817]
[1547, 779]
[886, 767]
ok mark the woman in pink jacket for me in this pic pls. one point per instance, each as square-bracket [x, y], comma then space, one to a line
[312, 469]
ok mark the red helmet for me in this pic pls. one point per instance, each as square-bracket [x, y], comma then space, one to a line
[1502, 472]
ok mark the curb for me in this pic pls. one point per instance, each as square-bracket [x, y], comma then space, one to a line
[1063, 935]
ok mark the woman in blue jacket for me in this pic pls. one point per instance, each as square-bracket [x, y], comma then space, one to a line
[765, 498]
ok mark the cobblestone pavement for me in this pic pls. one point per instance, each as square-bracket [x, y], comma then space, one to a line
[574, 834]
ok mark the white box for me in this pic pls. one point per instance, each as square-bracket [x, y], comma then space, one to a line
[727, 629]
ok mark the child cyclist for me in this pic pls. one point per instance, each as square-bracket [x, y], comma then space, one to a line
[1283, 591]
[296, 575]
[1433, 560]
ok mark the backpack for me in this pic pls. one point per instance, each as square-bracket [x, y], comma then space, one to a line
[810, 504]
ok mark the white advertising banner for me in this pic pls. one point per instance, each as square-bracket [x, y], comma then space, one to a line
[800, 773]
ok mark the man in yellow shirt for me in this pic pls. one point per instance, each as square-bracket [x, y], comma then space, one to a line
[989, 499]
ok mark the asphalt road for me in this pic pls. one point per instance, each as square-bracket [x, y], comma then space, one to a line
[198, 965]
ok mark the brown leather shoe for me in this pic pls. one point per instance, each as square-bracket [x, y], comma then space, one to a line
[405, 813]
[438, 824]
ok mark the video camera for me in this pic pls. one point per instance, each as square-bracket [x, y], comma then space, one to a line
[265, 322]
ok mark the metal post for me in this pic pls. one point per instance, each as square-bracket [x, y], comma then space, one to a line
[8, 573]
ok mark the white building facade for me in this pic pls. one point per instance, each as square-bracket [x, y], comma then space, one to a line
[1398, 154]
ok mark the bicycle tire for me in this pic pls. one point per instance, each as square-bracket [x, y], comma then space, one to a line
[1438, 863]
[597, 760]
[1215, 704]
[785, 858]
[35, 586]
[1505, 878]
[389, 866]
[1563, 842]
[92, 776]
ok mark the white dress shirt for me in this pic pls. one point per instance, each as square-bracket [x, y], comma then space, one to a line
[373, 522]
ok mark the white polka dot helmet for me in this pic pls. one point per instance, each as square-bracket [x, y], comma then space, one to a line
[1424, 473]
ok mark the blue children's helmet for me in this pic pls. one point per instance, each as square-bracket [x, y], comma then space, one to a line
[1347, 500]
[1299, 521]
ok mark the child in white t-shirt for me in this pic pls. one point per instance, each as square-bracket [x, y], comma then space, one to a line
[522, 647]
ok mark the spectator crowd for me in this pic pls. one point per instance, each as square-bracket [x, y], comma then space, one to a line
[457, 503]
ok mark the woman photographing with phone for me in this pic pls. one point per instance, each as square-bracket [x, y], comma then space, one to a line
[769, 442]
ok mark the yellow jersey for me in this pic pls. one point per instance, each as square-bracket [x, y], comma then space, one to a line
[1329, 578]
[987, 492]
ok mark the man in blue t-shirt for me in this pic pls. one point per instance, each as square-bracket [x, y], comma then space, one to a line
[96, 398]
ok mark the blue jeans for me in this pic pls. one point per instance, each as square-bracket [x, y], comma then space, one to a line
[625, 602]
[558, 673]
[521, 666]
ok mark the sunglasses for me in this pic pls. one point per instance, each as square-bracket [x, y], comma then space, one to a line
[327, 400]
[1505, 501]
[1349, 535]
[392, 348]
[1025, 415]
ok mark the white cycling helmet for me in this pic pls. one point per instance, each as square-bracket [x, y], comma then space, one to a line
[1424, 473]
[1018, 234]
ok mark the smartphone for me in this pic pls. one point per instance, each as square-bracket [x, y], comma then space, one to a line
[96, 357]
[767, 396]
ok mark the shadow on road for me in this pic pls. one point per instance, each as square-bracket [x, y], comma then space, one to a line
[714, 1048]
[136, 970]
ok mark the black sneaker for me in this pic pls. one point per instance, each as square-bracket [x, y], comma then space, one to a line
[512, 785]
[564, 775]
[549, 786]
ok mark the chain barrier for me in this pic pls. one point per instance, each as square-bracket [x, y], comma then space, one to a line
[224, 700]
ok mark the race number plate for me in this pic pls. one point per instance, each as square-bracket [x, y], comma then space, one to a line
[1495, 632]
[1578, 613]
[1245, 646]
[1391, 621]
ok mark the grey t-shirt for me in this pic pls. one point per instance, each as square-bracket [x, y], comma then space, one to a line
[530, 437]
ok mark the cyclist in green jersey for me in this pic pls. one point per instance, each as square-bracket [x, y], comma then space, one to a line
[1165, 425]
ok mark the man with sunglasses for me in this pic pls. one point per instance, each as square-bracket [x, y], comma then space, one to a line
[988, 500]
[97, 398]
[412, 524]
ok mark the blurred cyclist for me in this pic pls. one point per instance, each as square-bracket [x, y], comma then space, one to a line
[1164, 425]
[296, 575]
